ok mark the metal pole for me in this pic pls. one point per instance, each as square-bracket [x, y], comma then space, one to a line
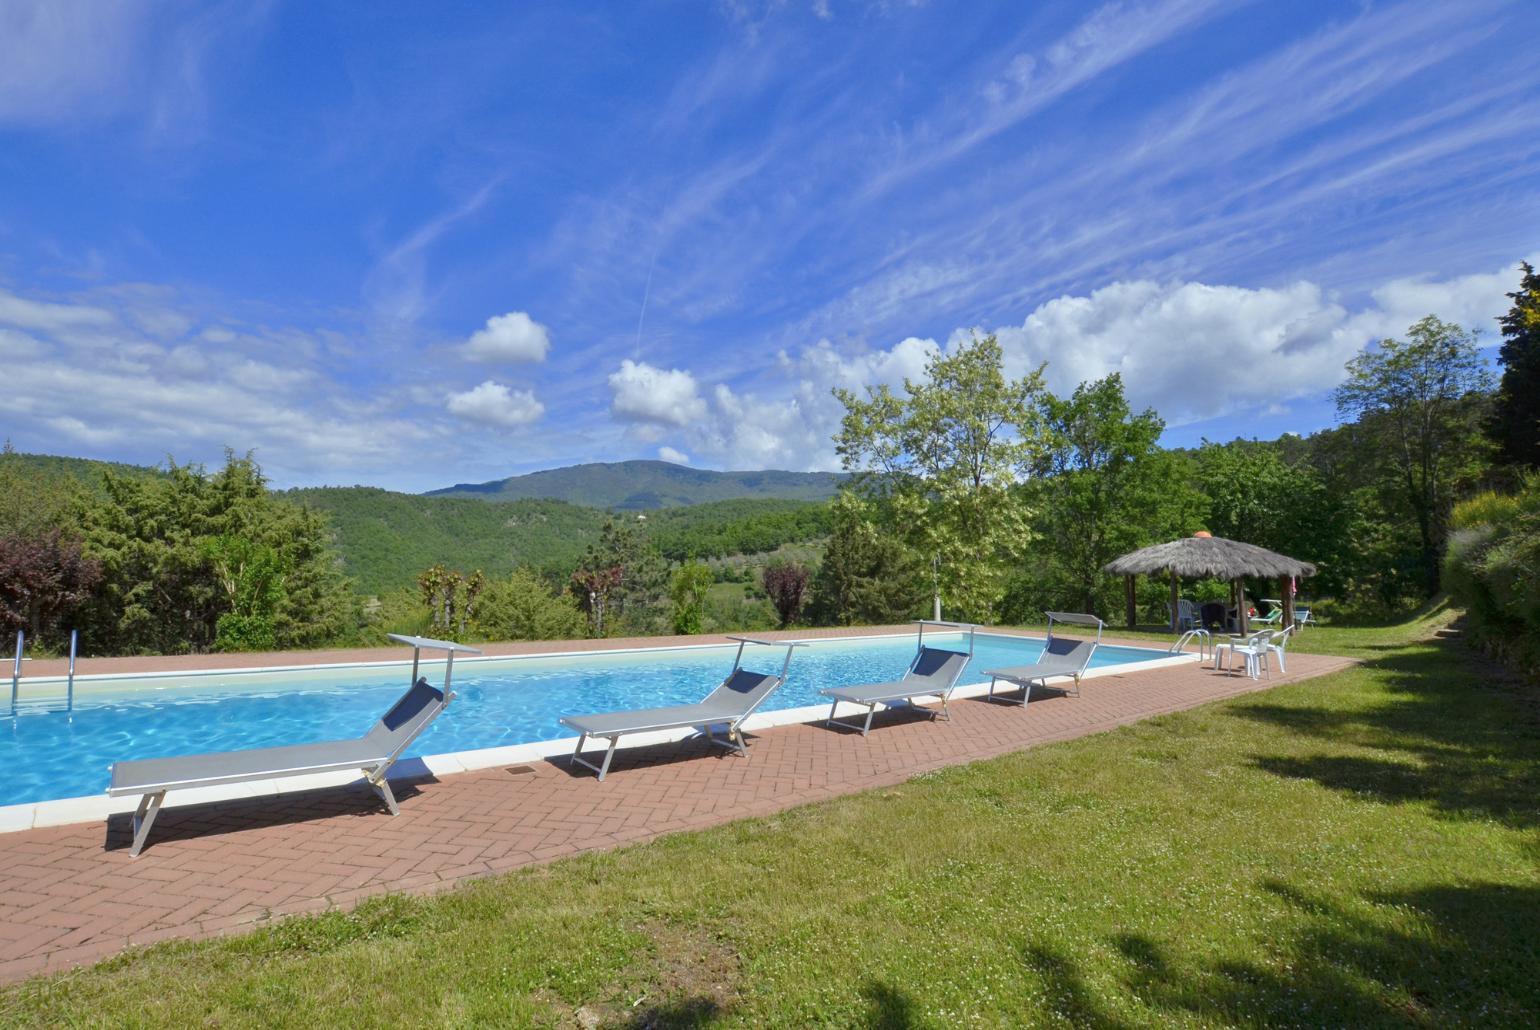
[16, 671]
[69, 689]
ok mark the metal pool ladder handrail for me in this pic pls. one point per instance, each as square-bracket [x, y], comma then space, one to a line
[69, 684]
[21, 639]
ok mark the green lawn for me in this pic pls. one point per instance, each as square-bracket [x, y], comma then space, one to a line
[1356, 850]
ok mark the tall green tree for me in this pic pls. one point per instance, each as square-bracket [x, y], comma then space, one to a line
[1515, 424]
[1257, 495]
[1106, 488]
[626, 574]
[1423, 398]
[867, 576]
[687, 588]
[940, 463]
[156, 540]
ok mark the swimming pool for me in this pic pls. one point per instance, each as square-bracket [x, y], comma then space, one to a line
[46, 753]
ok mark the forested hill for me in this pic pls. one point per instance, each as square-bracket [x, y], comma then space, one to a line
[82, 472]
[646, 485]
[387, 539]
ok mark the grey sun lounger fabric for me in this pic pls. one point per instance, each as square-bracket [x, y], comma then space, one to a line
[934, 673]
[741, 692]
[373, 754]
[734, 700]
[1063, 657]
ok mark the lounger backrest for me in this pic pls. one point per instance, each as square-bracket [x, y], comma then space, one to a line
[742, 692]
[938, 667]
[1070, 652]
[407, 718]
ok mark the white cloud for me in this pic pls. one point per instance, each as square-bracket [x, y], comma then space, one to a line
[62, 58]
[1190, 350]
[32, 314]
[99, 375]
[677, 457]
[514, 337]
[64, 62]
[658, 396]
[1472, 301]
[494, 404]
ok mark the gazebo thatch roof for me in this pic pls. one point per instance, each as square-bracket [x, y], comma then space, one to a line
[1199, 556]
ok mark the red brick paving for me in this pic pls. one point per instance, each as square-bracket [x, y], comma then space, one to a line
[71, 895]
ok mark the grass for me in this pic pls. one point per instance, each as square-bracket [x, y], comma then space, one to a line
[1356, 850]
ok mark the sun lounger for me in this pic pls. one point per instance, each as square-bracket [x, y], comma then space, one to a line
[726, 706]
[1063, 657]
[933, 673]
[374, 753]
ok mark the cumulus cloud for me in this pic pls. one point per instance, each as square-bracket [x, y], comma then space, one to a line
[511, 338]
[677, 457]
[494, 404]
[1190, 350]
[661, 397]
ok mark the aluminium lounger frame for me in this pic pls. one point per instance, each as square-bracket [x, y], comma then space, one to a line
[374, 753]
[910, 686]
[1047, 668]
[703, 720]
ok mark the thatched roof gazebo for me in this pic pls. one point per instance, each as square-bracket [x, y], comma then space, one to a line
[1206, 556]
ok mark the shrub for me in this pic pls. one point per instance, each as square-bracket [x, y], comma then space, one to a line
[1492, 568]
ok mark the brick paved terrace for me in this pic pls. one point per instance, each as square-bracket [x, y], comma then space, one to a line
[71, 894]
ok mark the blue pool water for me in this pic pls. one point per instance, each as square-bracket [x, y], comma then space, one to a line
[46, 753]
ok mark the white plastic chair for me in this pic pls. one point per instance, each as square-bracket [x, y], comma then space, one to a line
[1276, 645]
[1254, 649]
[1186, 615]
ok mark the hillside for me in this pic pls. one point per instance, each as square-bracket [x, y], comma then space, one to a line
[79, 472]
[387, 538]
[646, 485]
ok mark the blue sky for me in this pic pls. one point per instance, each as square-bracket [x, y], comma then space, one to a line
[414, 244]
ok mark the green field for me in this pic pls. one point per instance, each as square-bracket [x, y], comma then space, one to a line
[1356, 850]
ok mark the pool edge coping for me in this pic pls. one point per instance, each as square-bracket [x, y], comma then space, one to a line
[37, 815]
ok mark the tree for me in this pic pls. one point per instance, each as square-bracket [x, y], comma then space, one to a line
[1259, 496]
[688, 588]
[939, 465]
[44, 580]
[252, 576]
[1423, 397]
[866, 575]
[33, 503]
[524, 607]
[161, 589]
[1515, 424]
[1106, 488]
[451, 598]
[786, 584]
[627, 575]
[594, 587]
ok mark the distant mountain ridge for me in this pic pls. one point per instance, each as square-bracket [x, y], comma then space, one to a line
[646, 485]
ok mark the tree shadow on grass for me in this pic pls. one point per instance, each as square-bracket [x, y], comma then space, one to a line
[677, 1013]
[889, 1008]
[1068, 994]
[1449, 729]
[1435, 956]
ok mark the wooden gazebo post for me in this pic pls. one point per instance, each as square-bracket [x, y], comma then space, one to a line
[1286, 592]
[1240, 606]
[1128, 598]
[1176, 589]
